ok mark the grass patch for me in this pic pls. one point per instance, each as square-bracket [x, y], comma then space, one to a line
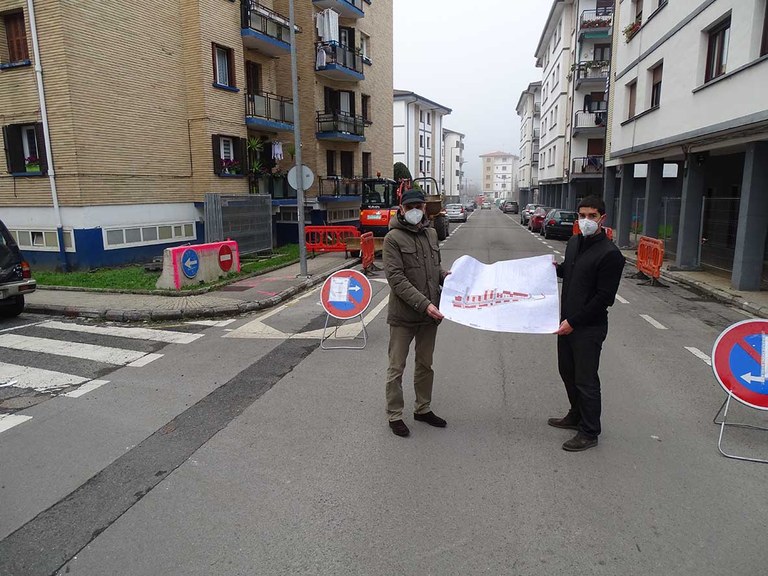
[136, 278]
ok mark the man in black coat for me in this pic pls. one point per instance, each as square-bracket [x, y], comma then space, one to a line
[591, 273]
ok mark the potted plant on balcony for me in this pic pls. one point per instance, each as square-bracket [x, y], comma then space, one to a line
[32, 164]
[596, 23]
[631, 30]
[231, 167]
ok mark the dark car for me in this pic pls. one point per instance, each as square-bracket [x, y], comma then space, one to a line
[469, 207]
[15, 276]
[510, 207]
[525, 214]
[559, 224]
[537, 217]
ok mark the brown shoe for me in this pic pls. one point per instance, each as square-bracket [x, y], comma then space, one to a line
[579, 443]
[567, 422]
[430, 418]
[399, 428]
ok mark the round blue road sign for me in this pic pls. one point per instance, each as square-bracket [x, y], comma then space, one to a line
[190, 263]
[346, 294]
[740, 362]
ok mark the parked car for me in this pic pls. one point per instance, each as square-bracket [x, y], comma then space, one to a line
[537, 217]
[525, 214]
[469, 207]
[456, 213]
[510, 207]
[15, 276]
[485, 206]
[559, 224]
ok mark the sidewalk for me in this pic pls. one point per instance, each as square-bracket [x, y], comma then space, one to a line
[247, 295]
[713, 285]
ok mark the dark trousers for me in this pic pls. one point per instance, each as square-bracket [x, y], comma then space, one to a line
[578, 359]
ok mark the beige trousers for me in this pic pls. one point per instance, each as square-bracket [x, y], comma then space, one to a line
[400, 338]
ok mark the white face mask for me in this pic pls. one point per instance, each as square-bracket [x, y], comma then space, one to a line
[587, 227]
[414, 216]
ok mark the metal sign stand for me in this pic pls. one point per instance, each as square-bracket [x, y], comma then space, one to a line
[334, 335]
[723, 423]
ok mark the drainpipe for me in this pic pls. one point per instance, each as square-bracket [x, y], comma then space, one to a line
[47, 135]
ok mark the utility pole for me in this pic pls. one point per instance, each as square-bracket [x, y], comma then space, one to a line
[297, 145]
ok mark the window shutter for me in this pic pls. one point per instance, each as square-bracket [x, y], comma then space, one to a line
[14, 150]
[239, 153]
[216, 145]
[16, 35]
[40, 136]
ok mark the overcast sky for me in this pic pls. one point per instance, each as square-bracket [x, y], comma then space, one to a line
[473, 57]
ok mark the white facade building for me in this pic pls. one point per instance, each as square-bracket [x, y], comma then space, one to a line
[529, 110]
[499, 175]
[418, 134]
[690, 86]
[453, 167]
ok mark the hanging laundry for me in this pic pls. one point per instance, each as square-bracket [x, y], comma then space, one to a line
[277, 151]
[321, 60]
[332, 24]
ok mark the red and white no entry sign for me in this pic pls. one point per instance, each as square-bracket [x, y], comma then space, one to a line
[225, 258]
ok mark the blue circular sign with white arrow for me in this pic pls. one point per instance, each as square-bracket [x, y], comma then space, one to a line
[346, 294]
[190, 263]
[740, 362]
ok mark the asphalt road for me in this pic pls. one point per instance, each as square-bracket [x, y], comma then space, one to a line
[251, 451]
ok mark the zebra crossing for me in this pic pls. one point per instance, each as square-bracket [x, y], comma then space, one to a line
[50, 358]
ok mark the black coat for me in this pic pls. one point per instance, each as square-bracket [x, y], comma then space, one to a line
[591, 273]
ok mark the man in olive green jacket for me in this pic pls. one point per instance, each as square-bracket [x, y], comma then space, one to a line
[412, 265]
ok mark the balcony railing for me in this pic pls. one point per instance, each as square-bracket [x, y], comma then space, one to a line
[536, 133]
[593, 71]
[339, 62]
[592, 165]
[585, 120]
[264, 29]
[596, 21]
[275, 186]
[345, 8]
[269, 110]
[339, 186]
[341, 126]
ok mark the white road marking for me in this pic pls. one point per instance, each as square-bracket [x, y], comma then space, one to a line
[85, 388]
[145, 360]
[19, 327]
[699, 354]
[220, 323]
[167, 336]
[653, 322]
[547, 245]
[103, 354]
[622, 300]
[37, 378]
[556, 252]
[8, 421]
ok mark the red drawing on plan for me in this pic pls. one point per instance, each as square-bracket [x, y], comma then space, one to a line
[493, 298]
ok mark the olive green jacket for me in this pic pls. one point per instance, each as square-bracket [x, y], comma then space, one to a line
[412, 265]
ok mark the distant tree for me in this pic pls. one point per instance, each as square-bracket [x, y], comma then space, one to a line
[401, 171]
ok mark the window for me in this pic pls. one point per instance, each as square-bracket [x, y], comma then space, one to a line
[602, 52]
[421, 115]
[228, 155]
[638, 11]
[16, 37]
[421, 166]
[365, 45]
[366, 164]
[330, 162]
[604, 7]
[556, 114]
[43, 240]
[429, 117]
[631, 99]
[347, 164]
[764, 47]
[429, 142]
[429, 165]
[115, 238]
[557, 76]
[366, 102]
[25, 149]
[717, 50]
[421, 140]
[223, 66]
[656, 74]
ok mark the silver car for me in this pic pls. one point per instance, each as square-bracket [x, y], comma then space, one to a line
[456, 213]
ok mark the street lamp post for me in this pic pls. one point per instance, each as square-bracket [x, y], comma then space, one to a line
[297, 145]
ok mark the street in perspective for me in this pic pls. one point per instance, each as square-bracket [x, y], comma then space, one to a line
[346, 287]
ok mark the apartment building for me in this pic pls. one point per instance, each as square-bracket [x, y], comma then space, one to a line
[418, 135]
[453, 167]
[152, 106]
[529, 110]
[499, 171]
[689, 93]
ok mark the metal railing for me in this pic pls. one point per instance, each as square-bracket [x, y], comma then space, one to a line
[588, 165]
[341, 122]
[341, 186]
[265, 20]
[592, 70]
[276, 186]
[590, 119]
[356, 3]
[339, 54]
[596, 19]
[269, 106]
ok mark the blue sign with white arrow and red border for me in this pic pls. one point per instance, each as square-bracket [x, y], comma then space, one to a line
[190, 263]
[346, 294]
[740, 362]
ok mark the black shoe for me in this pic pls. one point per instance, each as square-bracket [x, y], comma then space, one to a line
[399, 428]
[567, 422]
[579, 442]
[430, 418]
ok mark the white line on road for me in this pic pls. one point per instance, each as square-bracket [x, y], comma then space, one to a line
[699, 354]
[652, 322]
[145, 360]
[8, 421]
[547, 245]
[103, 354]
[220, 323]
[37, 378]
[22, 326]
[555, 251]
[135, 333]
[622, 300]
[85, 388]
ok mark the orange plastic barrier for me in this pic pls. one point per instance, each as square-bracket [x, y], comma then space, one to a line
[328, 238]
[650, 256]
[608, 231]
[367, 250]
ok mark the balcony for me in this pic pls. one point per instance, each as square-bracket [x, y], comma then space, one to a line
[346, 8]
[341, 127]
[595, 23]
[587, 167]
[535, 158]
[536, 133]
[537, 109]
[265, 30]
[592, 73]
[277, 187]
[269, 112]
[340, 187]
[339, 62]
[590, 123]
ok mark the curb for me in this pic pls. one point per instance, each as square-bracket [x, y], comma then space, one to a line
[149, 315]
[707, 290]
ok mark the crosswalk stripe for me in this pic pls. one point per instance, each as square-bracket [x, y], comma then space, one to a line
[85, 388]
[219, 323]
[144, 360]
[36, 378]
[103, 354]
[168, 336]
[8, 421]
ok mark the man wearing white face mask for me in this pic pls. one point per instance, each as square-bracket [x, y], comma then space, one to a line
[591, 273]
[412, 265]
